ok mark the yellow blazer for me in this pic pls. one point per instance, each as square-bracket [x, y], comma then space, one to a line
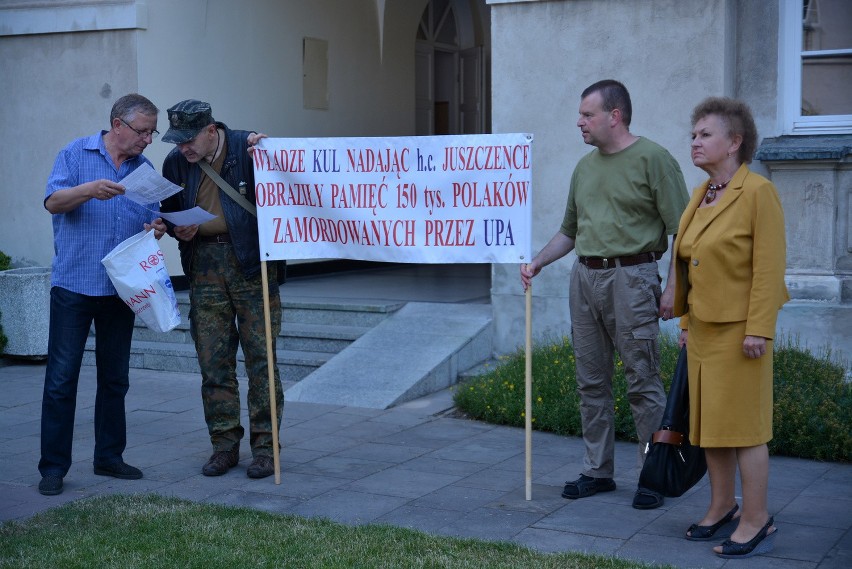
[738, 259]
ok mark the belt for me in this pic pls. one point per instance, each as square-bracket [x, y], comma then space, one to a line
[220, 238]
[613, 262]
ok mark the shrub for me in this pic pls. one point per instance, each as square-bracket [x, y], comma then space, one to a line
[813, 400]
[813, 406]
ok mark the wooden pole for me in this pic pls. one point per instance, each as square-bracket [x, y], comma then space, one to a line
[528, 394]
[270, 368]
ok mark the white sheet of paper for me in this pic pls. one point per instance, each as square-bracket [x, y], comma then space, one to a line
[145, 186]
[194, 216]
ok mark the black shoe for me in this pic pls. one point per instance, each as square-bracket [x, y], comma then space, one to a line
[221, 462]
[762, 543]
[645, 499]
[587, 486]
[706, 533]
[261, 467]
[50, 485]
[119, 470]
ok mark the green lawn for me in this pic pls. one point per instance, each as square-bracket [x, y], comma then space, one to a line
[151, 532]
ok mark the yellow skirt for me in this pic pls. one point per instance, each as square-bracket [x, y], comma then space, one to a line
[730, 395]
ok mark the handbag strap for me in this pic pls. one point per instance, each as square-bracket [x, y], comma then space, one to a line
[668, 437]
[226, 187]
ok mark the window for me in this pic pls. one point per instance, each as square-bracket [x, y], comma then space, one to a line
[815, 66]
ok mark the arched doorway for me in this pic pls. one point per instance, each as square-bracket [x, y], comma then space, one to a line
[451, 76]
[453, 94]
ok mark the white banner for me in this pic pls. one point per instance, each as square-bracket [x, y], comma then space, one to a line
[423, 199]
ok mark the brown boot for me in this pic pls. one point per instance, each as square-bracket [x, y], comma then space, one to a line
[261, 467]
[221, 462]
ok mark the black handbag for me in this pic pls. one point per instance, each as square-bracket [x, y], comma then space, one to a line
[672, 465]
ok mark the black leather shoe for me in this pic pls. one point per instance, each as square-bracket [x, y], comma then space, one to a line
[50, 485]
[587, 486]
[119, 470]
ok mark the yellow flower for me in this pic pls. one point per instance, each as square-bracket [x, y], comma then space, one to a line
[539, 399]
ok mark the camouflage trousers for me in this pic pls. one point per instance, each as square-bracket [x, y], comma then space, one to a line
[226, 309]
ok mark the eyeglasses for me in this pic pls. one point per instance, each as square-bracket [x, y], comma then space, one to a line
[142, 133]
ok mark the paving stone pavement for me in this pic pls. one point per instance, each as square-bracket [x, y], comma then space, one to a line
[420, 466]
[416, 466]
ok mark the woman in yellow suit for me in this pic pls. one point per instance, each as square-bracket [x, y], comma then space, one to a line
[731, 255]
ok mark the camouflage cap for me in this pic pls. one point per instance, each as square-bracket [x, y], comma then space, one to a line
[186, 119]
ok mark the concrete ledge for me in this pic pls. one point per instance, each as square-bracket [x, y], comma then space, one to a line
[822, 147]
[420, 349]
[825, 288]
[25, 310]
[62, 17]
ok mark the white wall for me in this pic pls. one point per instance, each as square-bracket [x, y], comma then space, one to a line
[53, 88]
[244, 58]
[670, 54]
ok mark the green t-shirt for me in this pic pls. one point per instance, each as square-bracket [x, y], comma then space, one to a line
[625, 203]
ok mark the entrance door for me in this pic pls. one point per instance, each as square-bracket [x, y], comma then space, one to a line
[449, 79]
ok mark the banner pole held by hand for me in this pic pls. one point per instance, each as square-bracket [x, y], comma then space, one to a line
[528, 394]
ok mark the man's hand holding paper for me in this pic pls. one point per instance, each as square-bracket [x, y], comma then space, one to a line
[144, 186]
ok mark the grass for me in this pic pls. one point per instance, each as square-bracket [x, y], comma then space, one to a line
[813, 398]
[152, 532]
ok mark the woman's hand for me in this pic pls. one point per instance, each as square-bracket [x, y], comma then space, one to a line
[681, 342]
[754, 346]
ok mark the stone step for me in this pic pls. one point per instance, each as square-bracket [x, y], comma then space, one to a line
[337, 313]
[312, 331]
[161, 356]
[318, 337]
[314, 310]
[328, 338]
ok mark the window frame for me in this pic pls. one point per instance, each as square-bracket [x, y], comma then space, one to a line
[790, 80]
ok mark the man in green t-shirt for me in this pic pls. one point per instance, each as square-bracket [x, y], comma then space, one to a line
[626, 197]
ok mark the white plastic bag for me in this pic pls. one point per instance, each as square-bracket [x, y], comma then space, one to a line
[138, 271]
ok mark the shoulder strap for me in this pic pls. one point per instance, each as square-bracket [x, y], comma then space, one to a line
[226, 187]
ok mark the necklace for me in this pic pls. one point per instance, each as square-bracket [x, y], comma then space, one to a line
[216, 151]
[712, 189]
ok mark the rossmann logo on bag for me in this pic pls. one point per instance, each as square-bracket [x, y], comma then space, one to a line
[142, 297]
[141, 300]
[152, 261]
[137, 270]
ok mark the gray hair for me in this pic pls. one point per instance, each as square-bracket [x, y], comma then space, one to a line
[128, 106]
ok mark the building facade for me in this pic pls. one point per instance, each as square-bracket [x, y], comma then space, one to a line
[790, 60]
[328, 68]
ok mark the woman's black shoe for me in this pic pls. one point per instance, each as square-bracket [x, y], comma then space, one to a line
[705, 533]
[763, 542]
